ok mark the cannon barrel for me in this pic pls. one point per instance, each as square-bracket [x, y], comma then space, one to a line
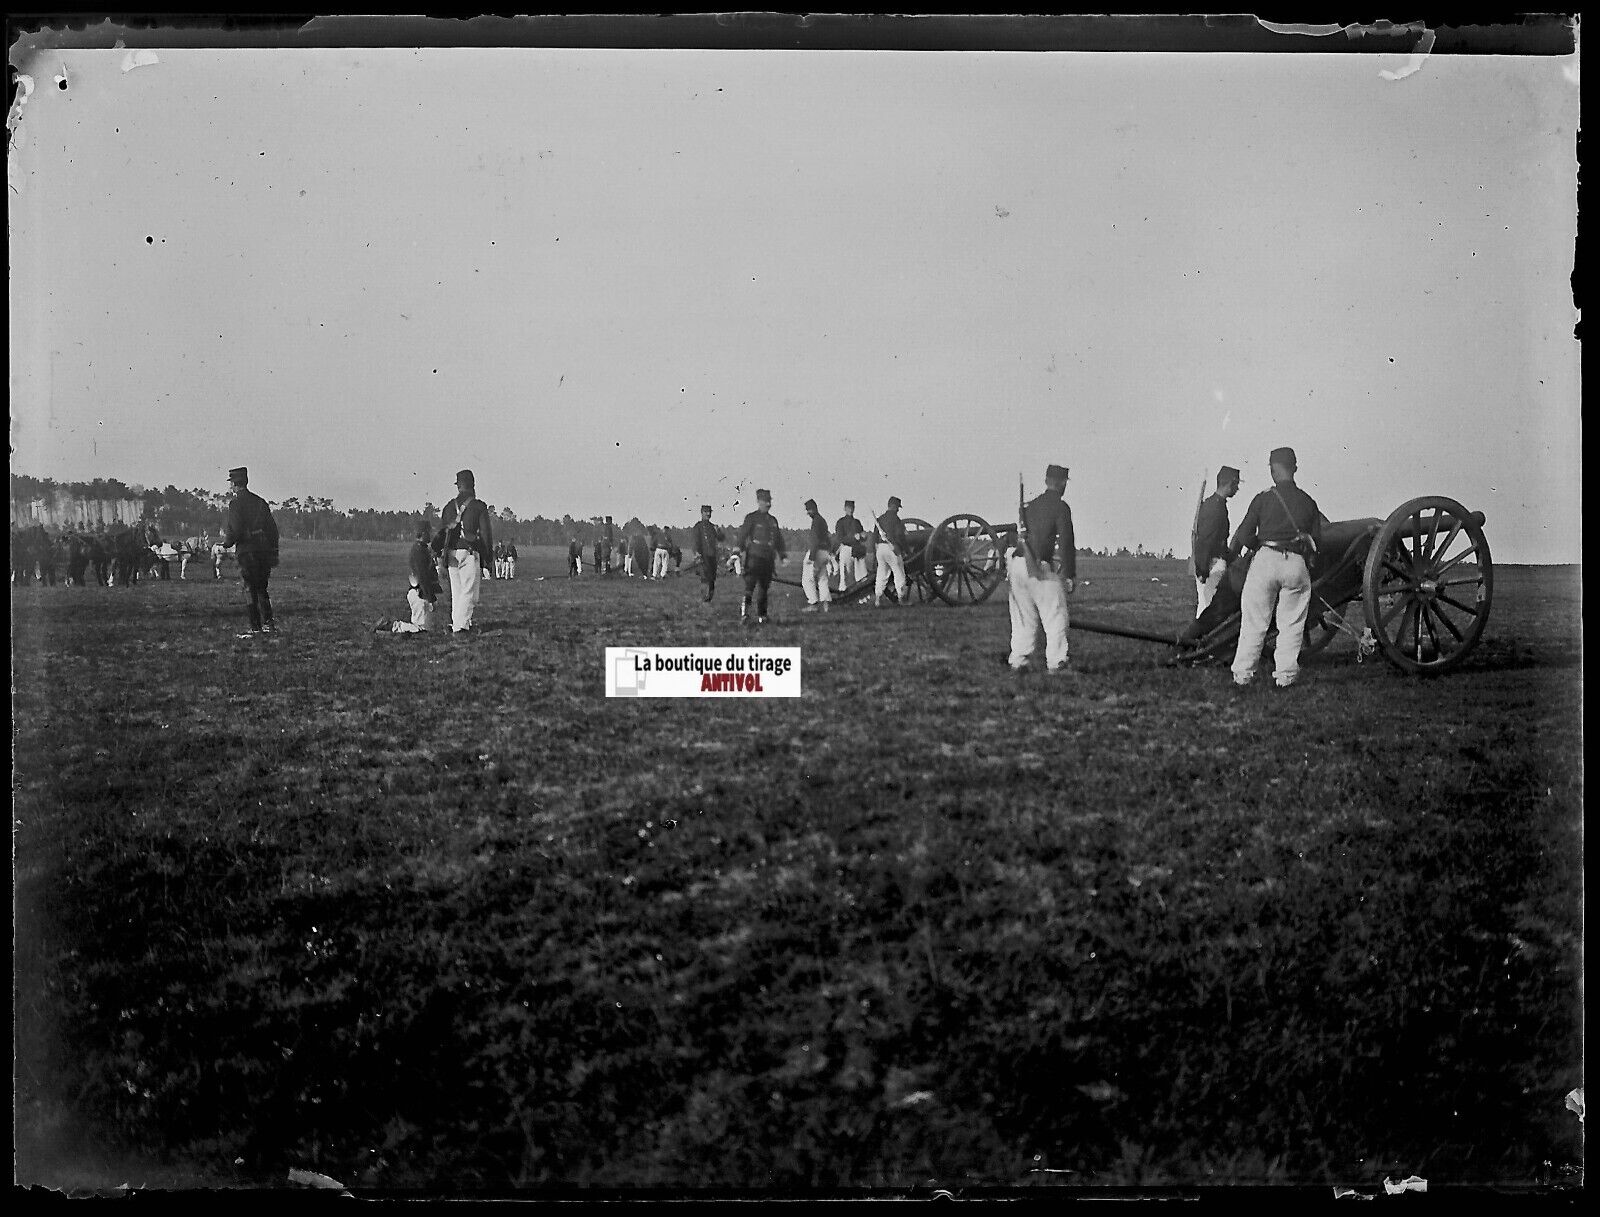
[1445, 523]
[1120, 631]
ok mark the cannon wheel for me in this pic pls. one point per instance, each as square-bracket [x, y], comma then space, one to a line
[1428, 585]
[964, 560]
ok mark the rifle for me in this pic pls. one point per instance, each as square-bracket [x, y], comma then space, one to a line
[1034, 566]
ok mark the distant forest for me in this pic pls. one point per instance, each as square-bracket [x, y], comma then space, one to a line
[186, 513]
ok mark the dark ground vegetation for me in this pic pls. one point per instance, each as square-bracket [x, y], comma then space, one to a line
[433, 913]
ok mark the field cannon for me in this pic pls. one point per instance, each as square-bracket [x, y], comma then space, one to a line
[1423, 576]
[959, 561]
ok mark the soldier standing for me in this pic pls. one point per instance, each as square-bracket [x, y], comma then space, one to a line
[468, 536]
[607, 540]
[1040, 581]
[705, 538]
[1211, 554]
[760, 542]
[891, 543]
[253, 533]
[1284, 527]
[574, 557]
[851, 540]
[659, 553]
[511, 558]
[814, 576]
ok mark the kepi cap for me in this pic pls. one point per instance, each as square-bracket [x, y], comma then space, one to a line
[894, 500]
[811, 504]
[850, 503]
[1055, 473]
[705, 506]
[1284, 457]
[763, 496]
[464, 478]
[240, 475]
[1229, 474]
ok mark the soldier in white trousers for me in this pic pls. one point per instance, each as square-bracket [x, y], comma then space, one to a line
[1041, 573]
[1284, 526]
[818, 562]
[850, 560]
[467, 538]
[891, 542]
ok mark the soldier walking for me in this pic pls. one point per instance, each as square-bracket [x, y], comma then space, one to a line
[1211, 554]
[1042, 571]
[814, 575]
[1284, 527]
[890, 535]
[760, 542]
[253, 533]
[705, 538]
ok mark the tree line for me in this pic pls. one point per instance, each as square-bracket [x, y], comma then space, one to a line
[186, 513]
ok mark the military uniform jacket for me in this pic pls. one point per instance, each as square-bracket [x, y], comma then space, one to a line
[848, 532]
[250, 528]
[760, 536]
[476, 531]
[821, 537]
[1266, 522]
[891, 529]
[705, 538]
[1210, 534]
[1049, 533]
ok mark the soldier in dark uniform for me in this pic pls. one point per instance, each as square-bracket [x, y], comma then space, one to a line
[850, 560]
[761, 542]
[574, 557]
[253, 533]
[1284, 528]
[608, 540]
[705, 538]
[1211, 554]
[597, 555]
[1042, 571]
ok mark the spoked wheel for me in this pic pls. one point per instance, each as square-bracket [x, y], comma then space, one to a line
[1428, 585]
[964, 561]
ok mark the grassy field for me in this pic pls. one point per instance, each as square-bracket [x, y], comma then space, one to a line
[432, 913]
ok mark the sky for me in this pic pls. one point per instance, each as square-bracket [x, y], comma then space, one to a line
[629, 282]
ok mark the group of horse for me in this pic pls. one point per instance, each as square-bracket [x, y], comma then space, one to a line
[116, 559]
